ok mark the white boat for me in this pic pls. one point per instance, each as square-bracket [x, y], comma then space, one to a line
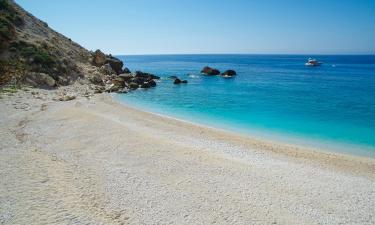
[313, 62]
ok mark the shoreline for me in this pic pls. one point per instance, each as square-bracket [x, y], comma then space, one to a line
[291, 150]
[277, 138]
[100, 161]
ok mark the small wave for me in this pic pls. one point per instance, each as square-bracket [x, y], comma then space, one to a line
[193, 76]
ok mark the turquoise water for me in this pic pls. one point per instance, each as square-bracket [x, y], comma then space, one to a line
[272, 96]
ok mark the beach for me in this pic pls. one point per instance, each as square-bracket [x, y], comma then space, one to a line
[93, 160]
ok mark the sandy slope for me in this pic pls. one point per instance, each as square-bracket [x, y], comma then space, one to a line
[98, 162]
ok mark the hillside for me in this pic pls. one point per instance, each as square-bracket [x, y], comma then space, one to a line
[33, 53]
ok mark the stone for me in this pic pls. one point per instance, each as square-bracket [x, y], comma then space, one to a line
[67, 98]
[40, 80]
[119, 82]
[111, 88]
[229, 73]
[145, 85]
[148, 76]
[139, 80]
[210, 71]
[133, 85]
[116, 64]
[99, 58]
[107, 69]
[126, 76]
[126, 70]
[152, 83]
[179, 81]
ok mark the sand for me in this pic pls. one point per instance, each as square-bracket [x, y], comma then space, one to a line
[95, 161]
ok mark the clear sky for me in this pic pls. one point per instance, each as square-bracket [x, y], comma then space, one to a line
[213, 26]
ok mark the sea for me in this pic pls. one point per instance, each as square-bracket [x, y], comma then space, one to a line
[277, 97]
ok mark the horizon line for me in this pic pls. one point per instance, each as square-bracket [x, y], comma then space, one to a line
[302, 54]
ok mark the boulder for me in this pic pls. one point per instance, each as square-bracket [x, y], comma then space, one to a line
[107, 69]
[67, 98]
[139, 80]
[126, 70]
[99, 58]
[41, 80]
[229, 73]
[111, 88]
[179, 81]
[210, 71]
[116, 64]
[145, 85]
[152, 83]
[149, 76]
[133, 85]
[119, 82]
[126, 76]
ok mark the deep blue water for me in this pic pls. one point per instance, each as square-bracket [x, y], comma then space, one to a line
[272, 96]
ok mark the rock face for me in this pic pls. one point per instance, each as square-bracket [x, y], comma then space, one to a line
[210, 71]
[229, 73]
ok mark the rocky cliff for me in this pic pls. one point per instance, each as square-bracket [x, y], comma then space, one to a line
[31, 52]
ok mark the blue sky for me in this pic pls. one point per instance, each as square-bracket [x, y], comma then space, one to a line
[209, 26]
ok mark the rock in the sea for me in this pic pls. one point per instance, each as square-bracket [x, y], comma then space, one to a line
[139, 80]
[229, 73]
[173, 77]
[210, 71]
[152, 83]
[149, 76]
[145, 85]
[179, 81]
[99, 58]
[41, 80]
